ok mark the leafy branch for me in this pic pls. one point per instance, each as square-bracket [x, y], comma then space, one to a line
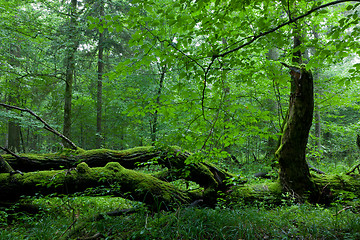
[254, 38]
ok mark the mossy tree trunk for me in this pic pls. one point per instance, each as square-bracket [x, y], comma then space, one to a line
[210, 178]
[294, 172]
[113, 179]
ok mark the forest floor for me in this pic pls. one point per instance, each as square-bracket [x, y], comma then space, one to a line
[288, 221]
[77, 217]
[59, 216]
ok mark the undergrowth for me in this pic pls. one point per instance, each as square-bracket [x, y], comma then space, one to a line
[247, 222]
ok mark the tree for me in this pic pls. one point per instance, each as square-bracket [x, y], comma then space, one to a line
[206, 62]
[214, 58]
[154, 125]
[294, 172]
[100, 79]
[73, 44]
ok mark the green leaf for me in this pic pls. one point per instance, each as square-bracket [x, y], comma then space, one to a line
[350, 7]
[357, 66]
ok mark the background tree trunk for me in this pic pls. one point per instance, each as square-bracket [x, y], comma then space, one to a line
[13, 140]
[154, 127]
[99, 82]
[13, 98]
[70, 69]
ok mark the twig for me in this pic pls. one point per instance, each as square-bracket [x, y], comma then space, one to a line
[72, 224]
[342, 210]
[354, 168]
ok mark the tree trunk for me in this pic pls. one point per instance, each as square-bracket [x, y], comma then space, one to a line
[70, 69]
[5, 166]
[172, 158]
[294, 172]
[210, 178]
[118, 180]
[154, 126]
[115, 180]
[13, 142]
[13, 134]
[154, 190]
[100, 72]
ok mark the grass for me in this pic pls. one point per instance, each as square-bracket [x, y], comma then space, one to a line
[258, 221]
[247, 222]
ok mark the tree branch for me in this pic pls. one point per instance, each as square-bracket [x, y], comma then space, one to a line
[46, 125]
[254, 38]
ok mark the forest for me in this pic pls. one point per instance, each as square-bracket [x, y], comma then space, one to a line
[178, 119]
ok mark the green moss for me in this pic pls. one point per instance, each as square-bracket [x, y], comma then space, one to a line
[68, 151]
[114, 166]
[144, 183]
[133, 151]
[83, 168]
[4, 176]
[268, 192]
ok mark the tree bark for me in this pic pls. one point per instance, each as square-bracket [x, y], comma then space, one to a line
[70, 69]
[210, 178]
[294, 172]
[154, 127]
[99, 82]
[14, 128]
[154, 190]
[5, 166]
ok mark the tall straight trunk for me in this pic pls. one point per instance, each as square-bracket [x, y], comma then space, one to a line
[14, 129]
[318, 128]
[13, 141]
[317, 108]
[70, 69]
[99, 83]
[154, 126]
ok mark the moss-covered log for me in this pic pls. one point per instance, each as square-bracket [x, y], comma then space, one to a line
[154, 192]
[173, 158]
[70, 158]
[140, 186]
[340, 187]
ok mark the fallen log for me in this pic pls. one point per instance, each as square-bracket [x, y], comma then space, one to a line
[142, 187]
[172, 158]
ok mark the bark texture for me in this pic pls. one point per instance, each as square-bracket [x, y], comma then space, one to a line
[294, 172]
[70, 70]
[100, 81]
